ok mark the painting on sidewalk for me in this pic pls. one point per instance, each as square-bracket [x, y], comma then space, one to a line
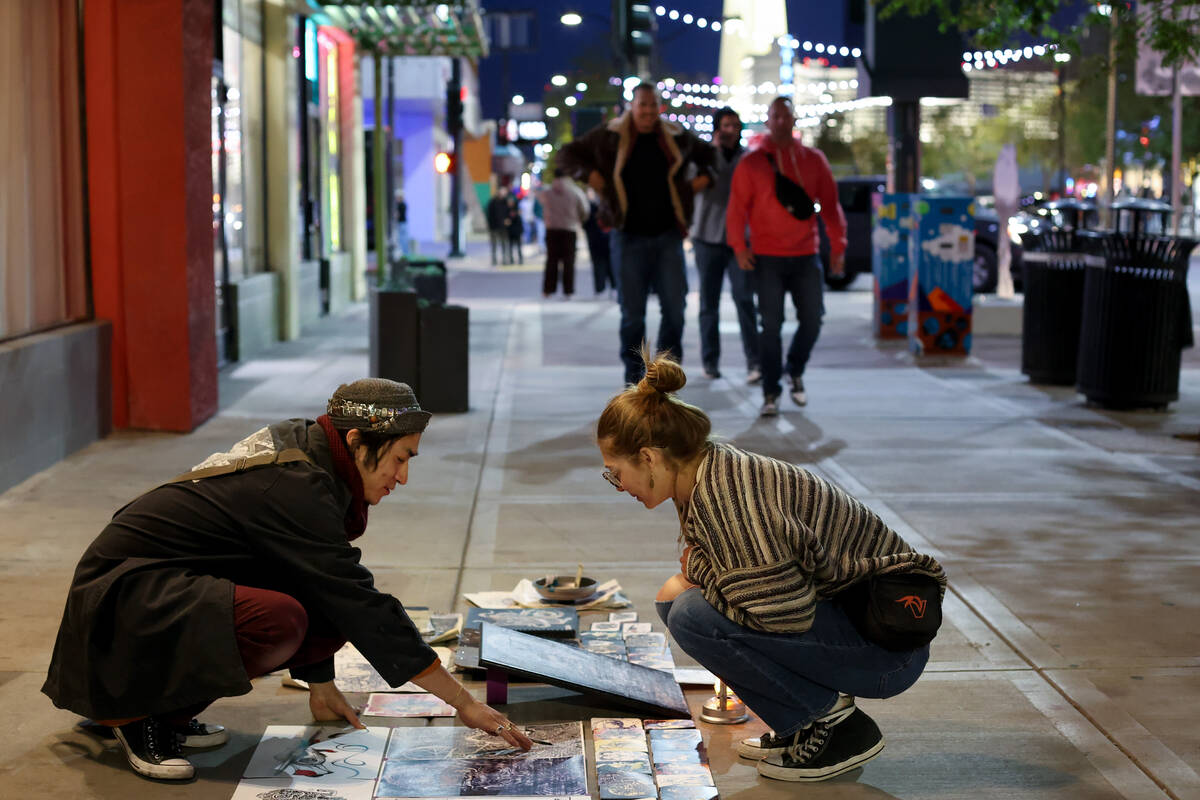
[296, 761]
[443, 762]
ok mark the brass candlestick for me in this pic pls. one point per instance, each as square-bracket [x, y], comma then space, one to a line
[725, 708]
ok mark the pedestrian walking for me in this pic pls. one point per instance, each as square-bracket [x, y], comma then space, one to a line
[242, 567]
[782, 573]
[598, 233]
[778, 189]
[515, 225]
[497, 220]
[715, 259]
[565, 209]
[637, 163]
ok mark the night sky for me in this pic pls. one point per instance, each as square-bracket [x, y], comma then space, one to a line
[683, 49]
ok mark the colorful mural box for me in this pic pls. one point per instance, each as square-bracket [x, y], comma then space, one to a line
[940, 289]
[893, 254]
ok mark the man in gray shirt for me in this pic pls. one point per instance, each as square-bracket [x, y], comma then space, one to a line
[714, 258]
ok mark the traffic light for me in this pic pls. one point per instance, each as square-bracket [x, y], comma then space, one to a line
[444, 163]
[638, 29]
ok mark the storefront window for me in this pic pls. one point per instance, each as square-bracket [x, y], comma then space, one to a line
[43, 276]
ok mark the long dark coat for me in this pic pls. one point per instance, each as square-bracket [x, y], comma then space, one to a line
[148, 626]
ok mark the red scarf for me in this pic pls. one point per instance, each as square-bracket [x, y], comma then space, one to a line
[343, 464]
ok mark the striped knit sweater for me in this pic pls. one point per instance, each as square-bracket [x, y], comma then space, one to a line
[768, 539]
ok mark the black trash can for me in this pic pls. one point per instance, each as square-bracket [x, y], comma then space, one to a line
[1136, 322]
[1052, 273]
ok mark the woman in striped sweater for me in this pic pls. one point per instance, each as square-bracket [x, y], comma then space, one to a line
[768, 546]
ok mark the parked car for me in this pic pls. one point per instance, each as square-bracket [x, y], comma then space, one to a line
[855, 195]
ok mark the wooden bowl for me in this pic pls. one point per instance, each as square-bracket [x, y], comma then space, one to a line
[563, 589]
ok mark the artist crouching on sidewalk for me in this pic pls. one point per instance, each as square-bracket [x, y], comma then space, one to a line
[792, 592]
[241, 567]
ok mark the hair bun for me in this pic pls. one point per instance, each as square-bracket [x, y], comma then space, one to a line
[664, 375]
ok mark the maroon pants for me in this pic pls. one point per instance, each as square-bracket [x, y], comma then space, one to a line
[560, 249]
[273, 631]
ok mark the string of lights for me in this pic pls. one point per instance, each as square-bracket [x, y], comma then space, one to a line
[994, 59]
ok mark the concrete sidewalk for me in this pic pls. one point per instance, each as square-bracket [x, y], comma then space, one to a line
[1069, 662]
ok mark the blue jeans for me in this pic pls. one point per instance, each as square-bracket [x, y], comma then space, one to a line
[712, 262]
[643, 263]
[790, 679]
[802, 278]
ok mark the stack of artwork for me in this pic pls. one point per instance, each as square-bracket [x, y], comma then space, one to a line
[297, 763]
[663, 759]
[629, 640]
[552, 623]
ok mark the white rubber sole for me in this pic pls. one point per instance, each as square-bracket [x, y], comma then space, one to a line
[175, 769]
[755, 753]
[214, 739]
[769, 770]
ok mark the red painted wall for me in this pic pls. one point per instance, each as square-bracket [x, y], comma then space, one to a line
[149, 67]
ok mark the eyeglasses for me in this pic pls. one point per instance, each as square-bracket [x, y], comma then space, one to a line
[612, 478]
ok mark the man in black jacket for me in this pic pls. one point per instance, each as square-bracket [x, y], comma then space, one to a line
[636, 163]
[239, 568]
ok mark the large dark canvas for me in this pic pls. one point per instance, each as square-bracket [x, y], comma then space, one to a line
[626, 685]
[554, 623]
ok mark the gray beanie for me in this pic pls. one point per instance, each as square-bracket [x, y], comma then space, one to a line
[377, 405]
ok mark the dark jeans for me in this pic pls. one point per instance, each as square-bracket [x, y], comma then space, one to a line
[560, 250]
[712, 262]
[499, 239]
[643, 263]
[602, 271]
[802, 278]
[790, 679]
[514, 246]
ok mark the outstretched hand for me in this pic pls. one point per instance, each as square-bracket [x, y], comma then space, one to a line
[328, 703]
[485, 718]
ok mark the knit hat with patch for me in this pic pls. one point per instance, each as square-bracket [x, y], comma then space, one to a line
[377, 405]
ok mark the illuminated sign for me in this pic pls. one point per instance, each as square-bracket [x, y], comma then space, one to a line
[532, 130]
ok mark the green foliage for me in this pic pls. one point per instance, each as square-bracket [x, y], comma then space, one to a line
[1171, 27]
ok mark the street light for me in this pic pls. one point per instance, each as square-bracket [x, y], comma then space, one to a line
[570, 18]
[559, 80]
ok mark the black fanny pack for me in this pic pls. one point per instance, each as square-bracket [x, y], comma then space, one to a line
[792, 195]
[896, 612]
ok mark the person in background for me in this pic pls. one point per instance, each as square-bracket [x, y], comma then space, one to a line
[637, 163]
[565, 209]
[497, 219]
[783, 250]
[603, 275]
[515, 225]
[715, 259]
[400, 232]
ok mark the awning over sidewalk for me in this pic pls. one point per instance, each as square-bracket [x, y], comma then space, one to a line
[411, 27]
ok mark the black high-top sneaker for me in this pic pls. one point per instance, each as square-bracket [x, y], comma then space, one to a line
[759, 747]
[153, 750]
[201, 734]
[836, 743]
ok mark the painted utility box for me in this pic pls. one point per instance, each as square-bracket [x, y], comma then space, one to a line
[893, 253]
[940, 288]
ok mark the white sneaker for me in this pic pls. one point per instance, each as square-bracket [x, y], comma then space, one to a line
[770, 407]
[753, 376]
[799, 397]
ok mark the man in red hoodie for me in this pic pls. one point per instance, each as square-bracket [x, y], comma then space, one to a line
[783, 249]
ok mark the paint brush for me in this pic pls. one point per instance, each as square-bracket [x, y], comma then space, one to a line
[579, 576]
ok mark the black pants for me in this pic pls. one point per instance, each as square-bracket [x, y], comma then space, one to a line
[560, 249]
